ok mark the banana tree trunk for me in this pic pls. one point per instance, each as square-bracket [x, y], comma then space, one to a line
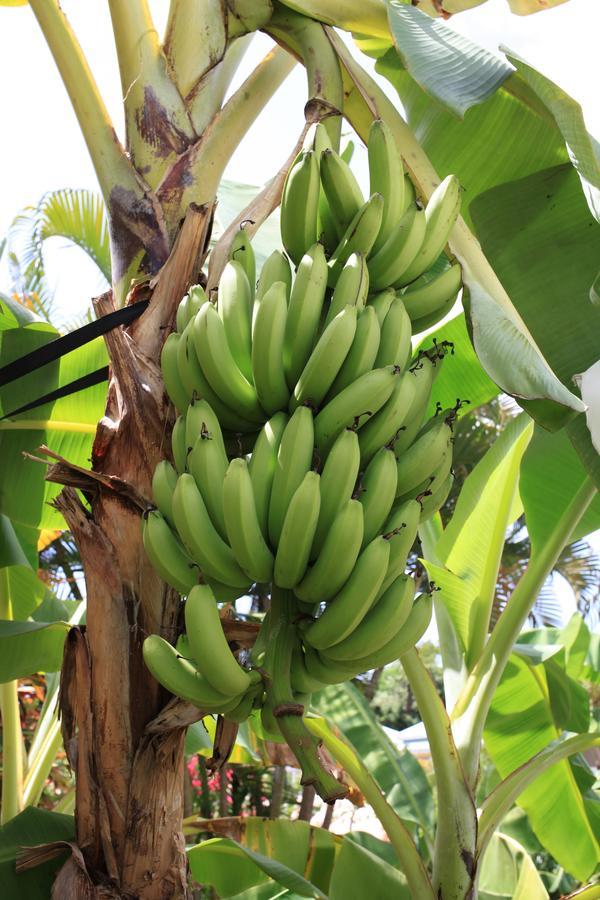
[129, 772]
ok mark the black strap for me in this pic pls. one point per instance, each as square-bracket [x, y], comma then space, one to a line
[53, 350]
[72, 387]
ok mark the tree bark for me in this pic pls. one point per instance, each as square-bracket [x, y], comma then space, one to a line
[129, 776]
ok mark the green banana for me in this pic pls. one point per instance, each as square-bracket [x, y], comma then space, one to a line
[294, 459]
[207, 461]
[189, 306]
[241, 251]
[179, 446]
[201, 420]
[383, 619]
[262, 465]
[410, 194]
[432, 503]
[406, 637]
[326, 230]
[249, 701]
[181, 678]
[428, 295]
[386, 177]
[304, 312]
[337, 483]
[243, 527]
[349, 607]
[401, 530]
[235, 309]
[393, 258]
[267, 349]
[432, 482]
[385, 424]
[396, 334]
[220, 368]
[359, 237]
[361, 399]
[424, 370]
[298, 531]
[381, 303]
[352, 287]
[163, 485]
[441, 213]
[344, 196]
[326, 360]
[300, 206]
[170, 373]
[377, 492]
[200, 537]
[336, 558]
[299, 676]
[326, 672]
[208, 644]
[362, 353]
[421, 459]
[166, 553]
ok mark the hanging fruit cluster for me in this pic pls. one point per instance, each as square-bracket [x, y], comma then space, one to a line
[302, 455]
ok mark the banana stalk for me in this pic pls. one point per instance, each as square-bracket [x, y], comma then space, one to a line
[12, 738]
[286, 710]
[367, 17]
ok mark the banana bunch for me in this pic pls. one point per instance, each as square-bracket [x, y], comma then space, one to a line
[302, 455]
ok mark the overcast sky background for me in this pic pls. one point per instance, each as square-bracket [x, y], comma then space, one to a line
[41, 147]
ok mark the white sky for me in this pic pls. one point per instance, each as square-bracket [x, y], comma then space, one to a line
[41, 148]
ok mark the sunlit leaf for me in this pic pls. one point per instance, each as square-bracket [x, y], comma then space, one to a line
[509, 873]
[29, 647]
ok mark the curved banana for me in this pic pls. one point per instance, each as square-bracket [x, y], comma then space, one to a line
[250, 700]
[401, 531]
[428, 295]
[396, 333]
[241, 251]
[234, 306]
[163, 485]
[410, 194]
[181, 678]
[326, 228]
[362, 353]
[386, 177]
[326, 360]
[262, 465]
[189, 306]
[424, 370]
[220, 368]
[383, 619]
[304, 312]
[377, 492]
[243, 527]
[267, 349]
[294, 459]
[337, 483]
[276, 267]
[170, 373]
[299, 676]
[166, 553]
[202, 420]
[298, 531]
[352, 406]
[432, 482]
[300, 206]
[381, 303]
[343, 193]
[336, 558]
[422, 458]
[394, 257]
[352, 287]
[359, 237]
[207, 461]
[349, 607]
[441, 213]
[200, 537]
[430, 505]
[179, 445]
[208, 644]
[385, 424]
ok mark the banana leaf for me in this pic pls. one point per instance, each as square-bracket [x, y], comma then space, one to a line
[28, 829]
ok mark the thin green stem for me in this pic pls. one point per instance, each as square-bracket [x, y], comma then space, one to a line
[400, 838]
[195, 39]
[135, 35]
[207, 96]
[285, 708]
[41, 764]
[456, 833]
[472, 706]
[498, 803]
[12, 736]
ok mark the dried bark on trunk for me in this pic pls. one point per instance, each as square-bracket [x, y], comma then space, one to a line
[129, 772]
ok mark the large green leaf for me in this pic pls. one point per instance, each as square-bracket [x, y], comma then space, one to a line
[29, 647]
[471, 546]
[445, 64]
[547, 264]
[356, 867]
[28, 829]
[519, 725]
[397, 772]
[509, 873]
